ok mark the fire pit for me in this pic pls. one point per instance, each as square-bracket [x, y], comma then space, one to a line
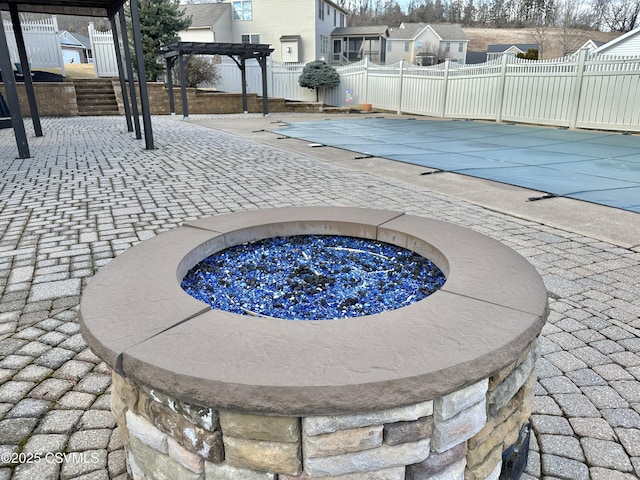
[441, 386]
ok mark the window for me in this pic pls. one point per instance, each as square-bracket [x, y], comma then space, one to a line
[342, 24]
[242, 10]
[251, 38]
[460, 47]
[406, 46]
[447, 47]
[335, 17]
[324, 45]
[388, 46]
[419, 45]
[321, 10]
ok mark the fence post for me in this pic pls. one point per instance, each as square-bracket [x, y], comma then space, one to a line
[501, 87]
[366, 80]
[400, 81]
[575, 97]
[443, 99]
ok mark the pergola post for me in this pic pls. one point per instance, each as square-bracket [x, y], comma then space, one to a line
[243, 73]
[127, 59]
[12, 96]
[183, 86]
[262, 60]
[26, 69]
[123, 84]
[170, 61]
[142, 76]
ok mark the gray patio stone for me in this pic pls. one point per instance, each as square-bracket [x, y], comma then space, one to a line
[59, 421]
[621, 417]
[603, 453]
[562, 445]
[51, 290]
[592, 427]
[612, 371]
[576, 405]
[552, 425]
[29, 407]
[605, 397]
[559, 385]
[586, 377]
[599, 473]
[561, 467]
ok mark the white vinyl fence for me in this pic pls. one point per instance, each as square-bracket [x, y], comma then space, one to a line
[580, 91]
[105, 63]
[41, 43]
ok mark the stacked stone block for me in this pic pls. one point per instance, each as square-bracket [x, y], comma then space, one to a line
[461, 435]
[509, 406]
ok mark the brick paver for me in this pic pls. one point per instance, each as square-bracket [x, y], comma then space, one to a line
[91, 191]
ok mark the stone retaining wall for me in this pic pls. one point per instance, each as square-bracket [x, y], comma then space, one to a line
[460, 435]
[59, 99]
[56, 99]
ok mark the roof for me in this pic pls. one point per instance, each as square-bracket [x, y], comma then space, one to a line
[71, 39]
[382, 30]
[449, 31]
[475, 58]
[406, 31]
[204, 14]
[91, 8]
[615, 41]
[523, 47]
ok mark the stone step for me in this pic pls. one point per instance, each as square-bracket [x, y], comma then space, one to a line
[96, 97]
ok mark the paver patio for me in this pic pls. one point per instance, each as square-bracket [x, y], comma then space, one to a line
[91, 191]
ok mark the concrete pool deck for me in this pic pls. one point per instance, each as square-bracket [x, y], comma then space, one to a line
[91, 191]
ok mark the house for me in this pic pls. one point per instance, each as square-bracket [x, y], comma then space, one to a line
[627, 44]
[76, 48]
[427, 44]
[474, 58]
[351, 44]
[298, 31]
[590, 45]
[210, 22]
[495, 52]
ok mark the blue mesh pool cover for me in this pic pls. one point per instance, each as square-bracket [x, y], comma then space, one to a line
[597, 167]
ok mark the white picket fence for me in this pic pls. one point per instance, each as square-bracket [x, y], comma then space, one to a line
[577, 91]
[41, 43]
[105, 63]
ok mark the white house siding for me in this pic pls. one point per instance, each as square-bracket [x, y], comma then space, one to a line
[197, 35]
[272, 19]
[628, 45]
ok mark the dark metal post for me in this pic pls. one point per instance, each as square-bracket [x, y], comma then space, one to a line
[142, 76]
[26, 69]
[170, 61]
[12, 96]
[123, 84]
[127, 61]
[243, 72]
[183, 85]
[262, 60]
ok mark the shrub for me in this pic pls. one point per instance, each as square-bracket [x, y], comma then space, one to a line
[319, 74]
[199, 70]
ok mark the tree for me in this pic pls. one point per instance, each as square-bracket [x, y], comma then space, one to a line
[616, 15]
[199, 70]
[160, 22]
[319, 74]
[571, 22]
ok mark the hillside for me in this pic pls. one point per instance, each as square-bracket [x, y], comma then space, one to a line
[479, 38]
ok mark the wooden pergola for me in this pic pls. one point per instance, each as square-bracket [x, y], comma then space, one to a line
[238, 52]
[94, 8]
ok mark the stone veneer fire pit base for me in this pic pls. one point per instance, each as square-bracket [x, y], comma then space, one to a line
[436, 390]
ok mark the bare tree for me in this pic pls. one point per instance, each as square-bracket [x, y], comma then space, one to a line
[616, 15]
[571, 23]
[543, 20]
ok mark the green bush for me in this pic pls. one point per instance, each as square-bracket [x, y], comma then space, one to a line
[319, 74]
[532, 54]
